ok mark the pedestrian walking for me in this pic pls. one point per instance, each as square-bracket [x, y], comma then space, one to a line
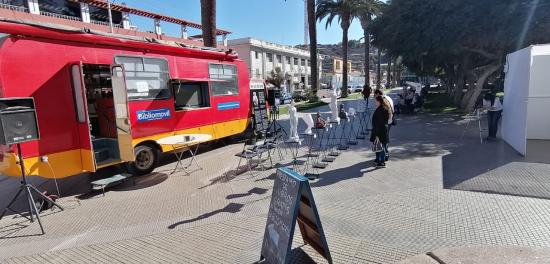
[494, 112]
[379, 134]
[391, 120]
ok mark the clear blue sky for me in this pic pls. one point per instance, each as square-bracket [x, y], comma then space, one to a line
[272, 20]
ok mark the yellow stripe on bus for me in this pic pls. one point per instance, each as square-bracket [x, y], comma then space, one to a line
[72, 162]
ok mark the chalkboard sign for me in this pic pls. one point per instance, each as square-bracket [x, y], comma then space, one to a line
[291, 202]
[259, 110]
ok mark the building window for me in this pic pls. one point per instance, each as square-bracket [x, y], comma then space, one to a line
[257, 54]
[227, 76]
[296, 61]
[303, 62]
[308, 63]
[338, 65]
[257, 73]
[146, 78]
[269, 57]
[191, 95]
[287, 60]
[279, 60]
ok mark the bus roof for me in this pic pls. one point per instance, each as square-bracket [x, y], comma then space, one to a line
[66, 33]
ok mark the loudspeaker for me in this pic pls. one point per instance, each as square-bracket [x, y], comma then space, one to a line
[17, 121]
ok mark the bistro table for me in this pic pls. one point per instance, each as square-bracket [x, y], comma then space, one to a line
[181, 142]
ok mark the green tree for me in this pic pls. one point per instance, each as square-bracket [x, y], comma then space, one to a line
[277, 77]
[465, 39]
[365, 11]
[344, 10]
[208, 20]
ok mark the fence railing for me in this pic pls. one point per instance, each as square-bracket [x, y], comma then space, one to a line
[14, 8]
[105, 23]
[60, 16]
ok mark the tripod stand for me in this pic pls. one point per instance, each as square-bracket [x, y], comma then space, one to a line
[274, 125]
[27, 189]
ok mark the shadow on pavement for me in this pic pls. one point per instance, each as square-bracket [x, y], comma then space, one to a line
[254, 190]
[143, 182]
[230, 208]
[342, 174]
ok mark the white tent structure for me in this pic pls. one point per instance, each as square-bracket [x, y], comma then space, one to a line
[526, 115]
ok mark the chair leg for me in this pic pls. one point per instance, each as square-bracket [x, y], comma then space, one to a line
[250, 167]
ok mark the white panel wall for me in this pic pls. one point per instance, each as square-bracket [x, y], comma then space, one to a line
[538, 101]
[516, 88]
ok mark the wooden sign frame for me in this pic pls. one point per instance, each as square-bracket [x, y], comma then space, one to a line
[297, 207]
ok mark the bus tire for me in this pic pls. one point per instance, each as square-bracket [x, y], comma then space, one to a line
[146, 160]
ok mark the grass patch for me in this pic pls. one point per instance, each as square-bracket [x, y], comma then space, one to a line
[308, 105]
[283, 110]
[439, 102]
[302, 106]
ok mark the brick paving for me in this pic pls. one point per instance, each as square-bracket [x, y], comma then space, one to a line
[438, 191]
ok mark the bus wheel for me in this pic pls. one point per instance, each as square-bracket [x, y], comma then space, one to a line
[146, 160]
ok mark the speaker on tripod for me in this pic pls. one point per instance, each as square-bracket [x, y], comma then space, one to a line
[18, 124]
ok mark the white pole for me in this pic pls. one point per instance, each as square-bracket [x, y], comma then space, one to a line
[110, 15]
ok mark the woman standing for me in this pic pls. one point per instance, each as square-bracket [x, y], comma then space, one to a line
[380, 119]
[494, 108]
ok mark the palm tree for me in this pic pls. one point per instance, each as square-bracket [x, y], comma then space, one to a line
[312, 25]
[366, 10]
[344, 10]
[311, 19]
[208, 20]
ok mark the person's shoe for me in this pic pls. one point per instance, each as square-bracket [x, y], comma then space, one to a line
[387, 158]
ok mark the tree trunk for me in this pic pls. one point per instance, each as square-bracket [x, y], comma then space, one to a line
[208, 19]
[367, 56]
[345, 27]
[379, 70]
[488, 71]
[388, 80]
[313, 50]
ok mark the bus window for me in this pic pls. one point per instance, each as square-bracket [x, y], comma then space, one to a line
[191, 95]
[146, 78]
[226, 73]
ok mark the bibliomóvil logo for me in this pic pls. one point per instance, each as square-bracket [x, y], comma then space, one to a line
[150, 115]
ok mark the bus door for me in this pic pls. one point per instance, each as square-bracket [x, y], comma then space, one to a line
[121, 113]
[81, 105]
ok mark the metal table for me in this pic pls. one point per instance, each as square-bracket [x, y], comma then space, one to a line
[180, 143]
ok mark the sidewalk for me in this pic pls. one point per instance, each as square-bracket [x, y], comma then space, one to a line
[438, 191]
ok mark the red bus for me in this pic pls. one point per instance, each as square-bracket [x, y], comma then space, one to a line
[103, 100]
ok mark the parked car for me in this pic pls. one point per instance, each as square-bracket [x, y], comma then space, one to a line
[285, 98]
[299, 96]
[358, 89]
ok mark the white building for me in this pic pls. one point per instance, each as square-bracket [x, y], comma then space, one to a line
[263, 57]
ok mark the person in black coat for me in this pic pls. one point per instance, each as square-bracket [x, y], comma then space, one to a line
[380, 119]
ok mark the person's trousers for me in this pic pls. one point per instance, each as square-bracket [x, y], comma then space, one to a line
[381, 155]
[387, 152]
[493, 118]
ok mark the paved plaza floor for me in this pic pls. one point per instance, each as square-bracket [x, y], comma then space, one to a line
[438, 191]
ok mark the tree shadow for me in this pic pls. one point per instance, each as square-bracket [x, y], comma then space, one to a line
[254, 190]
[230, 208]
[495, 168]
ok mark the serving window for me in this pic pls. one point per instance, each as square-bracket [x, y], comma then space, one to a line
[227, 75]
[146, 78]
[191, 95]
